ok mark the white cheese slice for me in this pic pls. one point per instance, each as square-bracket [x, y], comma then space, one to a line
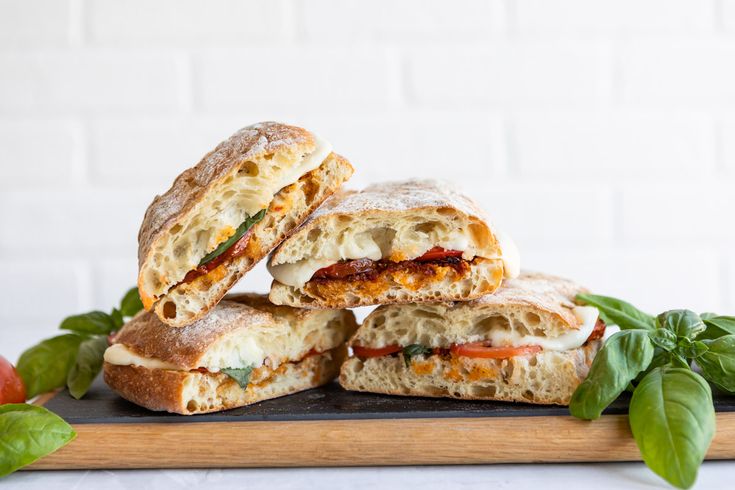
[120, 355]
[509, 255]
[586, 315]
[307, 164]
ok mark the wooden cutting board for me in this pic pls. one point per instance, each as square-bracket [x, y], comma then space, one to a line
[332, 427]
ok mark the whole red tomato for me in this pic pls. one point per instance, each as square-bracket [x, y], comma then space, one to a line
[12, 389]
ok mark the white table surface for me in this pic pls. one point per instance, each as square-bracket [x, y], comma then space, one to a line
[712, 476]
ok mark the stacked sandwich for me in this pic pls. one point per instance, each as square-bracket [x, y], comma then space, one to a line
[456, 316]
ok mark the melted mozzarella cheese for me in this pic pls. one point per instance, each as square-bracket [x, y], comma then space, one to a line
[362, 245]
[120, 355]
[307, 164]
[509, 255]
[586, 315]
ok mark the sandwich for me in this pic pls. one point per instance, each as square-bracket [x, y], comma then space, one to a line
[229, 211]
[244, 351]
[396, 242]
[528, 342]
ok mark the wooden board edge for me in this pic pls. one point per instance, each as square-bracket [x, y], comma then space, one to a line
[384, 442]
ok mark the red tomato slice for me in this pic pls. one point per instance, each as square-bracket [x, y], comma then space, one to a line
[12, 389]
[479, 349]
[438, 253]
[340, 270]
[370, 352]
[598, 331]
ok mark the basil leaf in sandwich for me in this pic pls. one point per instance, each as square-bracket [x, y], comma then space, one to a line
[241, 375]
[414, 350]
[241, 230]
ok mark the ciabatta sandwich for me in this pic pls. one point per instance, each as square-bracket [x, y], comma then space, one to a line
[528, 342]
[228, 212]
[397, 242]
[244, 351]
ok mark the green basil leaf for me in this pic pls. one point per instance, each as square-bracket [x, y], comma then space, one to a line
[241, 375]
[44, 366]
[414, 350]
[673, 422]
[614, 311]
[663, 338]
[94, 322]
[683, 323]
[28, 433]
[717, 326]
[689, 349]
[87, 366]
[621, 358]
[241, 230]
[718, 363]
[131, 303]
[117, 318]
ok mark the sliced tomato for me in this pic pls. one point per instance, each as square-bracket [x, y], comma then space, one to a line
[12, 389]
[598, 331]
[479, 349]
[365, 352]
[438, 253]
[343, 269]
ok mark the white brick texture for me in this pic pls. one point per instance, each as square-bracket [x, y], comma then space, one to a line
[510, 74]
[37, 153]
[692, 74]
[407, 20]
[88, 81]
[175, 22]
[605, 17]
[313, 79]
[617, 145]
[34, 23]
[600, 134]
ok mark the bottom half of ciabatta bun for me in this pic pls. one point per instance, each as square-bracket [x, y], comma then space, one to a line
[195, 392]
[403, 283]
[547, 377]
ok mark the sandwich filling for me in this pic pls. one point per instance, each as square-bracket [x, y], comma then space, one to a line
[501, 343]
[243, 374]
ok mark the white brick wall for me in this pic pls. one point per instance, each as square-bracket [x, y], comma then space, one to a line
[600, 133]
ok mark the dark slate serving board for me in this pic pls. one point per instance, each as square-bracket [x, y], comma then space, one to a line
[330, 402]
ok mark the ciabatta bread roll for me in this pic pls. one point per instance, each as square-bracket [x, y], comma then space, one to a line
[228, 212]
[245, 350]
[395, 242]
[528, 342]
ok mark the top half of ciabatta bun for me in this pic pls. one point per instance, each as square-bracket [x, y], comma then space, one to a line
[393, 242]
[222, 216]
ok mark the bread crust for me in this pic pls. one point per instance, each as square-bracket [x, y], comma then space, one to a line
[193, 392]
[314, 187]
[548, 377]
[148, 337]
[189, 187]
[531, 304]
[392, 200]
[434, 282]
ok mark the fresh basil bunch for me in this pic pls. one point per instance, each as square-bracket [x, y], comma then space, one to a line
[74, 359]
[671, 413]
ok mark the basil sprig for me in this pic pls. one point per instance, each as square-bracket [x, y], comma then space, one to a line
[671, 414]
[414, 350]
[240, 375]
[241, 230]
[74, 359]
[29, 433]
